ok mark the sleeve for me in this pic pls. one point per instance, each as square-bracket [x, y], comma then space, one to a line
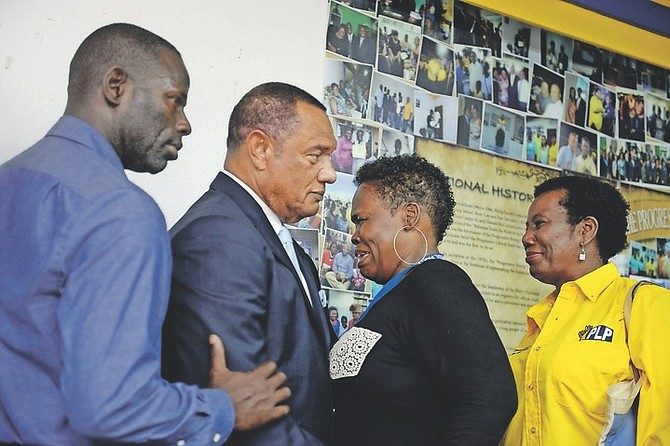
[648, 341]
[221, 284]
[458, 345]
[112, 307]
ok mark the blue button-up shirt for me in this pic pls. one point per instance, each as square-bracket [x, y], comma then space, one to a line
[85, 269]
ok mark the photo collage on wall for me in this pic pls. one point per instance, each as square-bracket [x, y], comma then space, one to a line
[456, 73]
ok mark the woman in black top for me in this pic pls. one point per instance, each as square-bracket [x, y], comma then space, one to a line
[424, 364]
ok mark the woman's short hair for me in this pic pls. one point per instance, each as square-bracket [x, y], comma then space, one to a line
[410, 178]
[587, 196]
[356, 307]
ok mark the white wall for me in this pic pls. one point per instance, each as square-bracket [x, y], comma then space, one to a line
[228, 47]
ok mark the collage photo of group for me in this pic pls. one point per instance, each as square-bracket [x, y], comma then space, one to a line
[396, 70]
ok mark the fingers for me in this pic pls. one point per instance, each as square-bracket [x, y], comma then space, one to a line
[266, 369]
[218, 371]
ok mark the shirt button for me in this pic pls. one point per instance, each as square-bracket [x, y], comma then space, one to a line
[531, 386]
[181, 443]
[533, 430]
[537, 349]
[217, 438]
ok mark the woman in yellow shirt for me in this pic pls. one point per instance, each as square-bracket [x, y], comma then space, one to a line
[575, 345]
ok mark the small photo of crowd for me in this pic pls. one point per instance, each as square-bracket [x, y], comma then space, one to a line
[473, 72]
[511, 87]
[398, 48]
[393, 101]
[635, 161]
[339, 269]
[436, 67]
[541, 140]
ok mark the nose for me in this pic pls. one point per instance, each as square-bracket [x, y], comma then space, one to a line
[356, 238]
[527, 239]
[183, 125]
[327, 173]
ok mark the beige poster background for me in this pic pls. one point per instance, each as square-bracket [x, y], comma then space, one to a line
[492, 197]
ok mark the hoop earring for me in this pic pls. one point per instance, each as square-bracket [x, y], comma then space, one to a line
[395, 249]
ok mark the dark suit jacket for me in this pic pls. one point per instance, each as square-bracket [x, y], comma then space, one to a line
[232, 277]
[365, 52]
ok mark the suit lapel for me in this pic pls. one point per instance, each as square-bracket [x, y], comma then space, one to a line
[226, 185]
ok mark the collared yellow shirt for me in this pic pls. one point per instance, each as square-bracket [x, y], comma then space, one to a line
[575, 347]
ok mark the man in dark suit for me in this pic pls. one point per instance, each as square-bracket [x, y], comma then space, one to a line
[233, 277]
[463, 130]
[363, 46]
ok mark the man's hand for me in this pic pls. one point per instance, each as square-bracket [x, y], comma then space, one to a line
[255, 394]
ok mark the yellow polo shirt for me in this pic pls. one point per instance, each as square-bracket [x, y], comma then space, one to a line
[575, 347]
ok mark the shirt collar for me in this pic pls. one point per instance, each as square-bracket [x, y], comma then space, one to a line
[81, 132]
[275, 222]
[593, 283]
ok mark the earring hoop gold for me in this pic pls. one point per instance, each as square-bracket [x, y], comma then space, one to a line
[395, 249]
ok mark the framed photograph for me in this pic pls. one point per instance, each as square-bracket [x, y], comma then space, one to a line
[657, 117]
[503, 131]
[436, 67]
[577, 150]
[546, 93]
[630, 114]
[477, 27]
[389, 96]
[511, 85]
[587, 61]
[575, 99]
[619, 70]
[346, 88]
[520, 39]
[470, 117]
[398, 47]
[337, 204]
[351, 33]
[394, 143]
[438, 17]
[651, 78]
[663, 258]
[601, 109]
[541, 140]
[430, 110]
[556, 52]
[473, 71]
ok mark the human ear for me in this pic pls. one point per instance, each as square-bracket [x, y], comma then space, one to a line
[412, 214]
[260, 148]
[114, 85]
[588, 229]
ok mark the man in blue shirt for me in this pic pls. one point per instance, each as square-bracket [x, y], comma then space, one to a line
[86, 268]
[343, 269]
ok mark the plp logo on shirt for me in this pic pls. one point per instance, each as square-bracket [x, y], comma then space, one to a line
[596, 333]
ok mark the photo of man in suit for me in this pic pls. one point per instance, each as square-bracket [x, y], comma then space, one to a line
[233, 277]
[363, 46]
